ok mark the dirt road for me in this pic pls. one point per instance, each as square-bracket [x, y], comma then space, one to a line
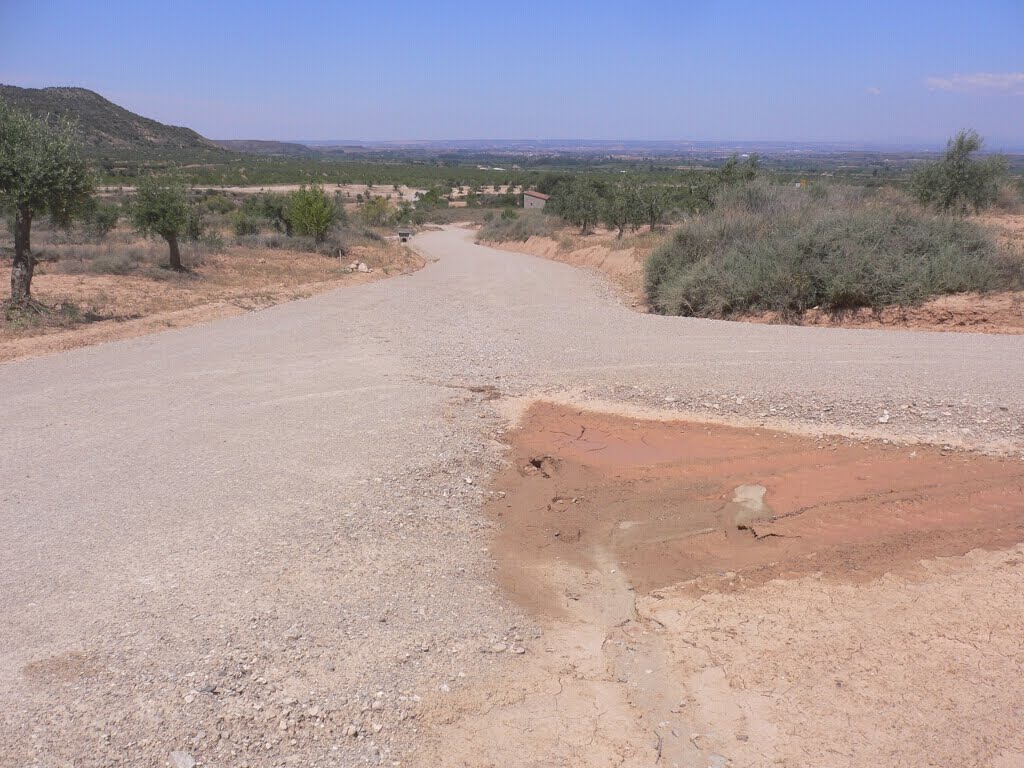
[262, 541]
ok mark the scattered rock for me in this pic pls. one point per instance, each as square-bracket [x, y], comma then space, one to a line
[748, 506]
[182, 760]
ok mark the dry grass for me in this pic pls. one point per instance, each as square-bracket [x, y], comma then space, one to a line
[93, 292]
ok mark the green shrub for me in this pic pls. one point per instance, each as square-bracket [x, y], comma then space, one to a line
[960, 181]
[101, 218]
[377, 212]
[272, 207]
[311, 212]
[770, 248]
[431, 199]
[218, 203]
[243, 224]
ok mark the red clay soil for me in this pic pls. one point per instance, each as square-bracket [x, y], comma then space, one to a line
[723, 508]
[961, 313]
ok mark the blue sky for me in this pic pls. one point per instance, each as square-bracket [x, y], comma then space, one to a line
[893, 71]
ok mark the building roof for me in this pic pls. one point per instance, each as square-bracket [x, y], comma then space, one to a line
[541, 195]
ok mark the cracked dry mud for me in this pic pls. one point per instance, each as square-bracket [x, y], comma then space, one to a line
[870, 615]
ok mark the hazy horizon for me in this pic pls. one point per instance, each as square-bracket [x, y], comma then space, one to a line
[906, 75]
[793, 144]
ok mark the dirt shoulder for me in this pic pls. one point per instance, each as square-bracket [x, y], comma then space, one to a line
[719, 596]
[93, 307]
[621, 261]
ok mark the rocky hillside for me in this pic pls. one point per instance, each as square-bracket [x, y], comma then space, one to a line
[102, 123]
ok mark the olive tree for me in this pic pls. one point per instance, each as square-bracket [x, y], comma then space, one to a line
[653, 204]
[960, 181]
[578, 203]
[623, 207]
[41, 172]
[161, 208]
[274, 208]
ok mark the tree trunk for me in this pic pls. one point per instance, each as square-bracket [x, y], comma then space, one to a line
[172, 243]
[24, 262]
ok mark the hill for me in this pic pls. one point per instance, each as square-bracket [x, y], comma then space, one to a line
[101, 122]
[275, 148]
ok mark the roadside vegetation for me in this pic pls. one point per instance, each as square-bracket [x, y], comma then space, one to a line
[766, 248]
[735, 239]
[743, 242]
[41, 173]
[512, 225]
[79, 253]
[770, 248]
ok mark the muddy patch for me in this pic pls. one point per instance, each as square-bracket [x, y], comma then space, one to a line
[711, 596]
[720, 507]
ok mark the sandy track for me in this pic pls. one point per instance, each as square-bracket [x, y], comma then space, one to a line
[261, 540]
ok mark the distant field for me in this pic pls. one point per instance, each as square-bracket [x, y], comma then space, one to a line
[223, 167]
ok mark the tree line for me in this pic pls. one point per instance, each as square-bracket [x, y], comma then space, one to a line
[630, 203]
[43, 173]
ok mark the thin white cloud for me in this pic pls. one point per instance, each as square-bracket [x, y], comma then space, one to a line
[979, 82]
[872, 91]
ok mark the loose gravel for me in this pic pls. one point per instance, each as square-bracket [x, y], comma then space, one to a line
[260, 542]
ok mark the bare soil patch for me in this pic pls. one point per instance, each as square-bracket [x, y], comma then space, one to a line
[718, 596]
[962, 313]
[675, 501]
[217, 285]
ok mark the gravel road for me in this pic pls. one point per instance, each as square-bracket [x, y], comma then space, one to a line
[259, 541]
